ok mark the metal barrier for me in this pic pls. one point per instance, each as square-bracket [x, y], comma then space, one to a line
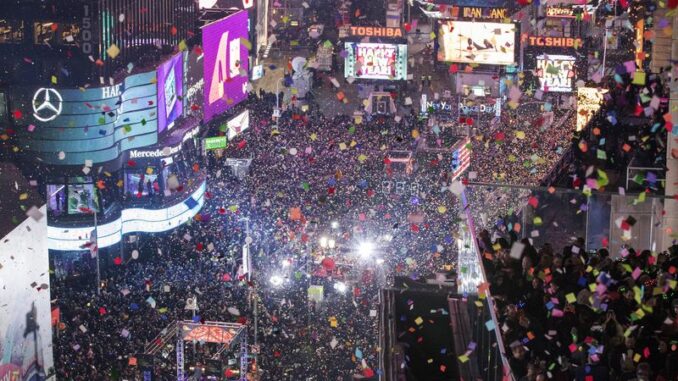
[495, 354]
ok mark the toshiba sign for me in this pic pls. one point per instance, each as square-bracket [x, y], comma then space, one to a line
[375, 31]
[560, 42]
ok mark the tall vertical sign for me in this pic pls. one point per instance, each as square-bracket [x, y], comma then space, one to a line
[225, 63]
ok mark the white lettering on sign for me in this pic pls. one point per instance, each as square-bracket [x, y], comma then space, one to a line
[555, 72]
[111, 91]
[377, 61]
[86, 31]
[137, 154]
[464, 109]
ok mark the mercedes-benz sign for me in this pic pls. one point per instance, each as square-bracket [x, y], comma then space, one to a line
[47, 104]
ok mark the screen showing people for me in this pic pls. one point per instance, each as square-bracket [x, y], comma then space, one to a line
[555, 73]
[376, 61]
[477, 42]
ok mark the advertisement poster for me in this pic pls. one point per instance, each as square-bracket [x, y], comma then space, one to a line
[170, 92]
[25, 313]
[477, 42]
[555, 73]
[225, 63]
[376, 61]
[238, 124]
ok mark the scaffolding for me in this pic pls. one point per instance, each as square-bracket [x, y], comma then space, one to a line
[226, 334]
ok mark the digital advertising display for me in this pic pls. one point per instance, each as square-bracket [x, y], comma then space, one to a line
[555, 73]
[238, 124]
[72, 126]
[477, 42]
[225, 63]
[376, 61]
[170, 91]
[215, 142]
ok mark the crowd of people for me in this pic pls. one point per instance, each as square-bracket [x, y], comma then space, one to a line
[570, 314]
[336, 173]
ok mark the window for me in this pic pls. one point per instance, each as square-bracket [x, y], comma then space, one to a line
[142, 184]
[70, 34]
[11, 31]
[44, 32]
[56, 204]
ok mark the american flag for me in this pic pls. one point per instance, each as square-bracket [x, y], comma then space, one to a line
[92, 244]
[461, 157]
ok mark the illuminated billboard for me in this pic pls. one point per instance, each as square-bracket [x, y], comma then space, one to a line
[238, 124]
[170, 91]
[589, 101]
[555, 73]
[477, 42]
[225, 63]
[70, 126]
[376, 61]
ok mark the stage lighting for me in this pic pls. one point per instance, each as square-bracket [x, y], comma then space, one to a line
[335, 225]
[323, 242]
[341, 287]
[331, 243]
[286, 263]
[380, 261]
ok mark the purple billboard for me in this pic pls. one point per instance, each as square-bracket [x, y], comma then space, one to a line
[170, 91]
[225, 62]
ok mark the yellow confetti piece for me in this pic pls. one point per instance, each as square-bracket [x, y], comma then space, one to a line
[54, 79]
[419, 320]
[113, 51]
[182, 46]
[23, 196]
[571, 298]
[246, 43]
[463, 358]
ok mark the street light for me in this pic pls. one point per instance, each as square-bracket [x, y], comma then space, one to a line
[365, 249]
[276, 280]
[341, 287]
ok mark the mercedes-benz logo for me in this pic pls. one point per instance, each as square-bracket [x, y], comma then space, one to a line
[47, 104]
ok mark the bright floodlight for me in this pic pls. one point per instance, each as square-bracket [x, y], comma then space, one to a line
[380, 261]
[286, 263]
[341, 287]
[365, 249]
[323, 242]
[331, 243]
[276, 280]
[335, 225]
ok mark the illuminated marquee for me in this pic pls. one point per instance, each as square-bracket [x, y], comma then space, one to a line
[555, 73]
[560, 12]
[480, 13]
[375, 31]
[560, 42]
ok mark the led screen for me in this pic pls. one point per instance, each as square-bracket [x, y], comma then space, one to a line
[477, 42]
[170, 92]
[238, 124]
[82, 199]
[225, 62]
[376, 61]
[555, 73]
